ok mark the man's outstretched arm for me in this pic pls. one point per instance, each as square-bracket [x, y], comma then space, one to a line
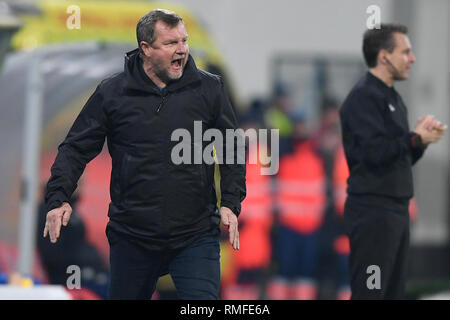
[232, 175]
[83, 142]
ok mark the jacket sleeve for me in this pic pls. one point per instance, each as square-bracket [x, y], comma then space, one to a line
[232, 172]
[372, 143]
[83, 142]
[417, 148]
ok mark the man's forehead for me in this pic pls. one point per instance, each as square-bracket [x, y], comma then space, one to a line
[165, 30]
[401, 41]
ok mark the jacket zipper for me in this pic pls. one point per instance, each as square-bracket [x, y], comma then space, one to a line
[162, 103]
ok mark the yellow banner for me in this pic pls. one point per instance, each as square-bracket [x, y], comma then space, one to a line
[103, 21]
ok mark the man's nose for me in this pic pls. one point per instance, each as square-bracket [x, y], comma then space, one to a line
[182, 48]
[412, 58]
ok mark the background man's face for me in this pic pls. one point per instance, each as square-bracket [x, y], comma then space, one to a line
[402, 57]
[169, 52]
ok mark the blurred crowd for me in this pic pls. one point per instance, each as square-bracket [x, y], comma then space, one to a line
[293, 243]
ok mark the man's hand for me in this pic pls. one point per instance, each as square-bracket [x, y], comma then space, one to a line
[229, 219]
[430, 129]
[56, 218]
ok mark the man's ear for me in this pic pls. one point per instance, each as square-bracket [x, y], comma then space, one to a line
[145, 48]
[382, 56]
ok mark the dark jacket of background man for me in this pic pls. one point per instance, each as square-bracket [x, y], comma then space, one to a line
[378, 141]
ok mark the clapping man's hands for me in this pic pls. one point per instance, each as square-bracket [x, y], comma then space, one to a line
[229, 219]
[430, 129]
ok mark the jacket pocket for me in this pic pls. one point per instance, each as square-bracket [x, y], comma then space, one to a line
[141, 181]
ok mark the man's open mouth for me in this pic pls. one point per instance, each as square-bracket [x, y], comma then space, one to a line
[177, 63]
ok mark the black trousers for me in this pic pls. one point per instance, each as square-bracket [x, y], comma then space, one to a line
[379, 242]
[195, 269]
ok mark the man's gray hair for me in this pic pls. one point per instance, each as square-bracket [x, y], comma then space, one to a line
[145, 29]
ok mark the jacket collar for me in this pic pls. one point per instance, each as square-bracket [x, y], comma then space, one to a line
[379, 83]
[138, 80]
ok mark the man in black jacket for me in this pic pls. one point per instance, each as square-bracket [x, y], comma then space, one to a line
[380, 150]
[163, 216]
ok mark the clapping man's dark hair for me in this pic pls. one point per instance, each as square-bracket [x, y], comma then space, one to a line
[376, 39]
